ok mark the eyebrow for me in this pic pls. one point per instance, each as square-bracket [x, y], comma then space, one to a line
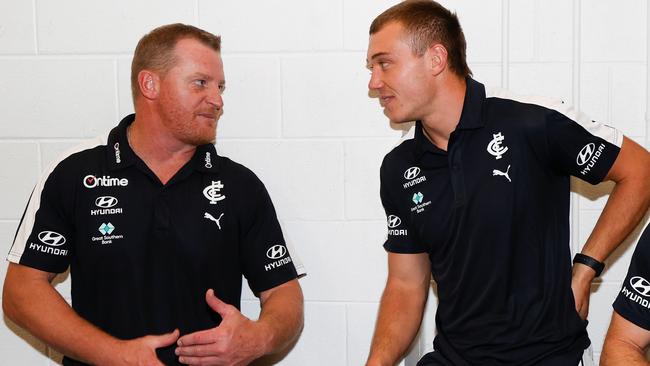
[376, 55]
[201, 75]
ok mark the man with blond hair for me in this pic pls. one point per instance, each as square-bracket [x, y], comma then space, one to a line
[157, 230]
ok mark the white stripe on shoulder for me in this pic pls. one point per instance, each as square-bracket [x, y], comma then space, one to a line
[27, 223]
[608, 133]
[406, 135]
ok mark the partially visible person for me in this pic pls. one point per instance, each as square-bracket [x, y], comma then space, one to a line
[628, 336]
[157, 230]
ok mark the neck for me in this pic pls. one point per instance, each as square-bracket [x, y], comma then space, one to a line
[446, 109]
[163, 154]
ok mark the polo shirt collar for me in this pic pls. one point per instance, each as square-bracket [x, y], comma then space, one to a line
[205, 158]
[470, 117]
[120, 155]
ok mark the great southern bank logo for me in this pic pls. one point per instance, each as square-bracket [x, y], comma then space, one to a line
[106, 228]
[417, 198]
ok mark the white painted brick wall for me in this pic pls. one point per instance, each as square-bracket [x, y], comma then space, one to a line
[298, 114]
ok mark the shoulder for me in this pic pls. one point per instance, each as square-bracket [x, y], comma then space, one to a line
[237, 172]
[84, 157]
[525, 107]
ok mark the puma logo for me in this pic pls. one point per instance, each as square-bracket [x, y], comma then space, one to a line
[496, 172]
[211, 218]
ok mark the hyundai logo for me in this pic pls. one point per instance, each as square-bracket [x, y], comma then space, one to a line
[411, 173]
[585, 154]
[394, 221]
[51, 238]
[105, 201]
[276, 251]
[640, 285]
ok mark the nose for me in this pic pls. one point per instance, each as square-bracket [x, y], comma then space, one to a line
[215, 99]
[375, 80]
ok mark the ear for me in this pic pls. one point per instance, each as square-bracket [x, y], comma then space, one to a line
[149, 84]
[437, 54]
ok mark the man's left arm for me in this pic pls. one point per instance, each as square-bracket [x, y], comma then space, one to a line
[625, 343]
[238, 340]
[625, 207]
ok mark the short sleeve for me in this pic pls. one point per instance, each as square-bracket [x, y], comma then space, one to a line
[400, 238]
[584, 148]
[633, 301]
[44, 239]
[265, 256]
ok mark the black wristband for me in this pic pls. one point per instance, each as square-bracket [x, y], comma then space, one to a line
[589, 262]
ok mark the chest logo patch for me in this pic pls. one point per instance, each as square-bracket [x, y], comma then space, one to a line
[394, 221]
[106, 229]
[496, 172]
[211, 218]
[51, 238]
[495, 147]
[585, 154]
[411, 173]
[212, 192]
[276, 252]
[417, 198]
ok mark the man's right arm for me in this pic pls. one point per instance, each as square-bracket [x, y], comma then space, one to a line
[401, 308]
[30, 300]
[625, 343]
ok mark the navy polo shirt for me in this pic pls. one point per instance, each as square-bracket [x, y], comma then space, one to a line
[142, 254]
[633, 302]
[492, 212]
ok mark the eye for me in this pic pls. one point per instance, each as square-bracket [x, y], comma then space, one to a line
[200, 82]
[222, 88]
[384, 65]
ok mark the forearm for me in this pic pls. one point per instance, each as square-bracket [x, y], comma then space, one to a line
[617, 352]
[40, 309]
[625, 207]
[400, 315]
[281, 317]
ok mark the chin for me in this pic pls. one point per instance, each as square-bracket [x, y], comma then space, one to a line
[397, 119]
